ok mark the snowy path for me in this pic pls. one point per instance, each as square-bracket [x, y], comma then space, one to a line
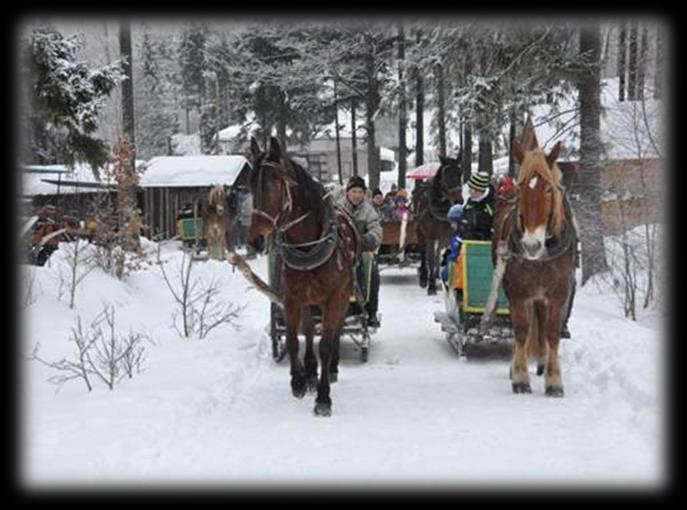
[414, 414]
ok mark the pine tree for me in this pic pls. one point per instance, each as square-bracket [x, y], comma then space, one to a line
[65, 98]
[156, 120]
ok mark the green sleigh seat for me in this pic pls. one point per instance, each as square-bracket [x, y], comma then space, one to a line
[477, 275]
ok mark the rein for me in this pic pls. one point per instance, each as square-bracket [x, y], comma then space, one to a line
[303, 256]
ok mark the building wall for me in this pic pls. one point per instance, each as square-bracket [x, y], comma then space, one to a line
[633, 194]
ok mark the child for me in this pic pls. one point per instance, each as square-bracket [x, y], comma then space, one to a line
[454, 215]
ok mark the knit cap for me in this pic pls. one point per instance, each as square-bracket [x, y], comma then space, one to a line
[479, 181]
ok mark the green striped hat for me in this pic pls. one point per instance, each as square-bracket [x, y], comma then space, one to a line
[479, 181]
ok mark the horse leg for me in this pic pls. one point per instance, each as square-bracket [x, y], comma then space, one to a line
[552, 330]
[520, 378]
[292, 312]
[308, 326]
[332, 318]
[431, 248]
[334, 365]
[423, 268]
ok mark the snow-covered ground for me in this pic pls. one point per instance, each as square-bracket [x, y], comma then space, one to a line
[219, 412]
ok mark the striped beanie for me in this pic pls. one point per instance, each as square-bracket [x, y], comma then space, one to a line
[479, 181]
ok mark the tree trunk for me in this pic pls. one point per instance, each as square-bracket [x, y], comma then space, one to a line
[622, 50]
[371, 105]
[441, 110]
[485, 161]
[402, 112]
[511, 137]
[354, 143]
[128, 83]
[642, 63]
[632, 71]
[658, 74]
[336, 130]
[419, 118]
[467, 151]
[589, 175]
[283, 119]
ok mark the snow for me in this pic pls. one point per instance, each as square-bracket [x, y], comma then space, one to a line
[628, 129]
[219, 412]
[171, 171]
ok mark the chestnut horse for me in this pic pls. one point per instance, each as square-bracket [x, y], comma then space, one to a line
[318, 247]
[534, 222]
[430, 207]
[216, 223]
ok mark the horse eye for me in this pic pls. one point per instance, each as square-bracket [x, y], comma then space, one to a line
[549, 190]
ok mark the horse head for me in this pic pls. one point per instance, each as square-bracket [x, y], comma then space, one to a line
[217, 199]
[539, 198]
[269, 184]
[448, 177]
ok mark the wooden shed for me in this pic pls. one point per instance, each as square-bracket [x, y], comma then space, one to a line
[169, 183]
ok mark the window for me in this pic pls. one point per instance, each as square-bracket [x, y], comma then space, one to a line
[317, 165]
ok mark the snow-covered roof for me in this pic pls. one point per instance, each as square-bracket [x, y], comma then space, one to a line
[33, 177]
[191, 171]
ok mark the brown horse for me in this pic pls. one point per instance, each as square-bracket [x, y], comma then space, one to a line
[216, 223]
[533, 221]
[430, 207]
[318, 248]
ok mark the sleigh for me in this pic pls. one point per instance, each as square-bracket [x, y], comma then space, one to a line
[355, 325]
[465, 307]
[399, 243]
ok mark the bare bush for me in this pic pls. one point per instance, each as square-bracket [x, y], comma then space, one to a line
[199, 308]
[102, 355]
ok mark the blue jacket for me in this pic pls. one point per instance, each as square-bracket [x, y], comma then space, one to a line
[454, 252]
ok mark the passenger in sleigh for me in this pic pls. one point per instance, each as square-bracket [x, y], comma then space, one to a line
[401, 205]
[453, 251]
[475, 223]
[384, 208]
[370, 228]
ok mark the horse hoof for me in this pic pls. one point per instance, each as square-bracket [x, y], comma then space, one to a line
[431, 291]
[298, 389]
[423, 284]
[322, 409]
[312, 384]
[554, 391]
[521, 388]
[333, 377]
[540, 368]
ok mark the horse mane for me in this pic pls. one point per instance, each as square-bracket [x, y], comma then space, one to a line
[308, 191]
[435, 191]
[533, 163]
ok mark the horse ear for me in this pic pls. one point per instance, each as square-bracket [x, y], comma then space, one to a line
[254, 147]
[275, 149]
[518, 153]
[553, 155]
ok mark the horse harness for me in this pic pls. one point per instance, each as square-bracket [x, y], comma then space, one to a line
[553, 250]
[299, 256]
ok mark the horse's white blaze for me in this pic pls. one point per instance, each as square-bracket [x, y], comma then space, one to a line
[533, 182]
[535, 238]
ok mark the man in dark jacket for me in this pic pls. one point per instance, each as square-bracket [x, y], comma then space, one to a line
[478, 211]
[370, 228]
